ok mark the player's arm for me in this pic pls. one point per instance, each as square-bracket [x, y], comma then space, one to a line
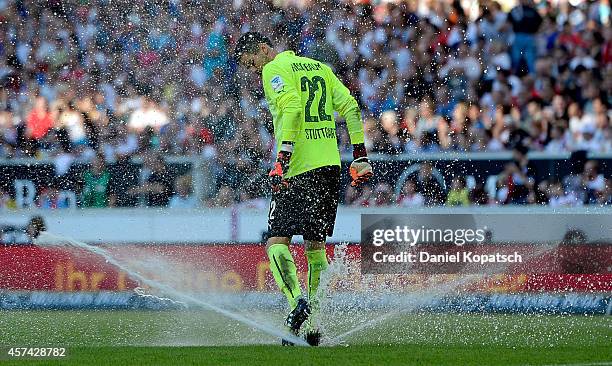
[346, 105]
[280, 90]
[282, 94]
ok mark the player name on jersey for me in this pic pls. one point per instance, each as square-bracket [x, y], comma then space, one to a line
[320, 133]
[303, 66]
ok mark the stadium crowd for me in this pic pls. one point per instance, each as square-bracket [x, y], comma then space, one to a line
[103, 81]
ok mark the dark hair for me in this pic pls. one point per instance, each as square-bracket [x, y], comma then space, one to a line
[249, 42]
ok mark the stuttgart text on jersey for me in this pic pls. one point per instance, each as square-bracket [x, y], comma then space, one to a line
[319, 133]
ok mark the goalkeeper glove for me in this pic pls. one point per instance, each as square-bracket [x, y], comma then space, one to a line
[360, 169]
[276, 175]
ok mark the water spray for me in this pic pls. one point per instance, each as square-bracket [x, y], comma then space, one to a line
[48, 239]
[410, 302]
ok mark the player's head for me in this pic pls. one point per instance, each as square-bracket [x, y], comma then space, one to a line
[253, 51]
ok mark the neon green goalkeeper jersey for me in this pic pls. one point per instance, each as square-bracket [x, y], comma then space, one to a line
[302, 96]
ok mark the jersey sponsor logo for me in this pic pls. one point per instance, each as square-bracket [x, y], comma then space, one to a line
[277, 83]
[320, 133]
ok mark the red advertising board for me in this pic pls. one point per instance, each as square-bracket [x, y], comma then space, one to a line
[242, 267]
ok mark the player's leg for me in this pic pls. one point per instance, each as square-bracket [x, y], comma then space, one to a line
[283, 222]
[320, 217]
[283, 268]
[317, 263]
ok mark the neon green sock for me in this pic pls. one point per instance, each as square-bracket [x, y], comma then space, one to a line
[317, 263]
[284, 272]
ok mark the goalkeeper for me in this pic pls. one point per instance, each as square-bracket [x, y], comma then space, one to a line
[302, 95]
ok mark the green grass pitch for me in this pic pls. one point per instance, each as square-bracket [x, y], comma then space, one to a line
[202, 338]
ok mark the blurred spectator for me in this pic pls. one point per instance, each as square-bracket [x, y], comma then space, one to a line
[124, 176]
[147, 115]
[358, 196]
[157, 187]
[51, 198]
[540, 193]
[63, 159]
[383, 194]
[501, 188]
[458, 194]
[525, 22]
[559, 198]
[409, 197]
[429, 187]
[72, 121]
[513, 187]
[520, 175]
[96, 183]
[604, 197]
[40, 120]
[429, 130]
[120, 143]
[593, 182]
[574, 182]
[478, 195]
[216, 49]
[588, 139]
[224, 198]
[557, 142]
[387, 141]
[5, 200]
[183, 198]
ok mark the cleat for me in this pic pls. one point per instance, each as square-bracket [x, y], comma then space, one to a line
[298, 316]
[287, 343]
[313, 337]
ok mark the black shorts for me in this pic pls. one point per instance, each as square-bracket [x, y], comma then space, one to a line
[308, 206]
